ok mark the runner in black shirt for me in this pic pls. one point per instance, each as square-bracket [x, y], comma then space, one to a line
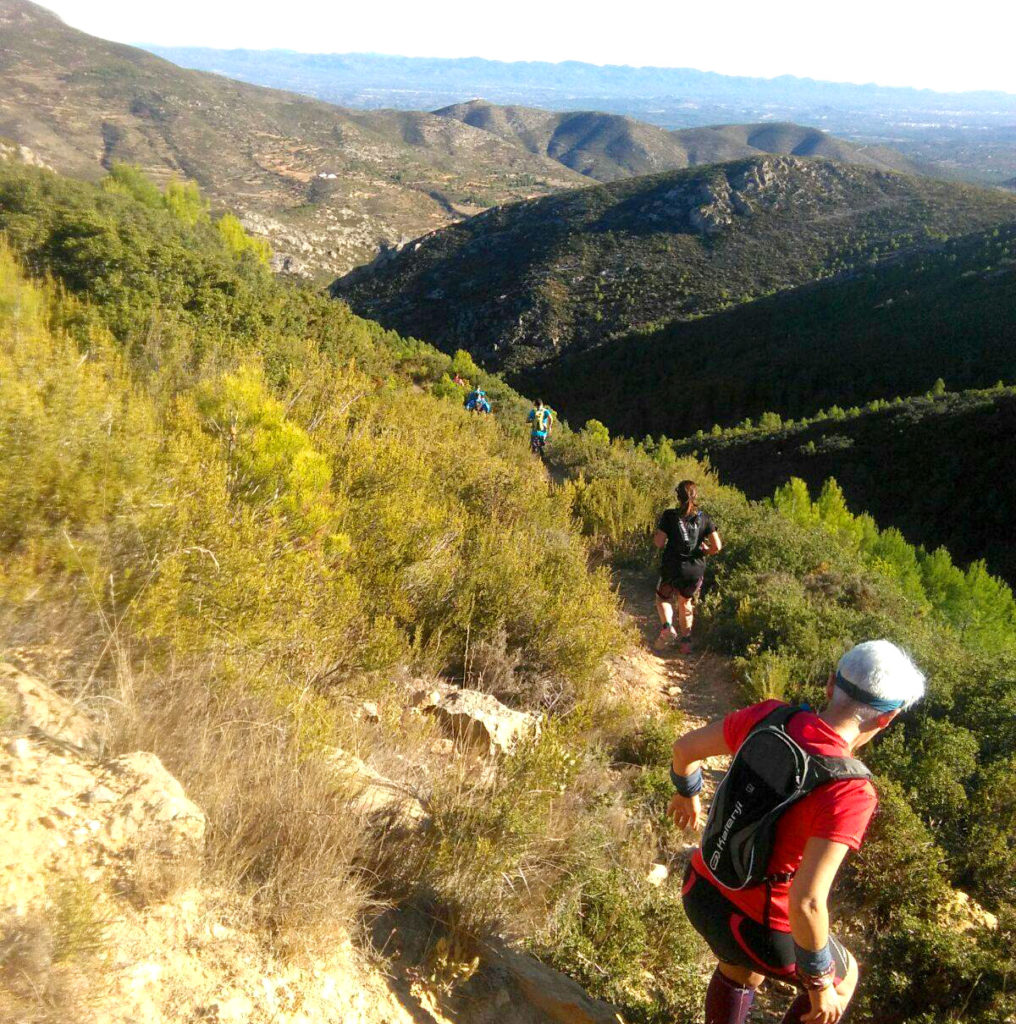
[687, 535]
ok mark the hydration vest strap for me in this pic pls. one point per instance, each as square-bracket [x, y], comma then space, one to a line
[771, 880]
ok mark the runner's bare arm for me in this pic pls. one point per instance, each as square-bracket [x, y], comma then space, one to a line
[660, 539]
[712, 545]
[809, 917]
[693, 747]
[809, 891]
[689, 752]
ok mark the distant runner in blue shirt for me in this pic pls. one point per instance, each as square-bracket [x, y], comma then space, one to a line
[541, 420]
[477, 401]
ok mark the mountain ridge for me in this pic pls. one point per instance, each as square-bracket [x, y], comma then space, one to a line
[648, 77]
[329, 186]
[521, 284]
[608, 147]
[962, 135]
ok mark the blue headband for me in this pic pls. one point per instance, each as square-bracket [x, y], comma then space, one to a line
[863, 697]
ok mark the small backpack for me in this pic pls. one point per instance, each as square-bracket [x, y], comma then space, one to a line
[769, 773]
[689, 533]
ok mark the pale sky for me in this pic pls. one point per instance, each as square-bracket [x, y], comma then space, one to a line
[929, 44]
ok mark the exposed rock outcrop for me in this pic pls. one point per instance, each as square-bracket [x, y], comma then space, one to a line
[178, 951]
[21, 154]
[33, 707]
[966, 914]
[477, 720]
[554, 995]
[171, 953]
[64, 815]
[373, 795]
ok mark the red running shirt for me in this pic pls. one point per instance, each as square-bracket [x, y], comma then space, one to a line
[839, 811]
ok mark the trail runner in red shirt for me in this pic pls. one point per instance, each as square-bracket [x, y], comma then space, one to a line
[780, 928]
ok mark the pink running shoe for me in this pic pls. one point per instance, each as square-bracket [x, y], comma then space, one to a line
[684, 646]
[668, 635]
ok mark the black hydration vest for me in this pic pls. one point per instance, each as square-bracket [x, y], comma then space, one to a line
[689, 531]
[769, 773]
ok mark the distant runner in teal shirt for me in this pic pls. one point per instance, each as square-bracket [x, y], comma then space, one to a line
[541, 419]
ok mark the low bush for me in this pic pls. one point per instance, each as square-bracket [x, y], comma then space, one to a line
[49, 957]
[766, 676]
[650, 743]
[629, 943]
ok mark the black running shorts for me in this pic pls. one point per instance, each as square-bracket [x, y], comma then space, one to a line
[736, 939]
[669, 591]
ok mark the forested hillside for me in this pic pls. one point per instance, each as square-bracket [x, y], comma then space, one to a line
[875, 333]
[524, 284]
[941, 467]
[231, 512]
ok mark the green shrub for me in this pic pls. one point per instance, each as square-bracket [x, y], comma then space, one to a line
[650, 744]
[78, 926]
[629, 943]
[934, 762]
[899, 865]
[989, 852]
[239, 242]
[926, 972]
[766, 676]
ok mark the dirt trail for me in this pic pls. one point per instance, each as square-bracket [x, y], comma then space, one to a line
[701, 685]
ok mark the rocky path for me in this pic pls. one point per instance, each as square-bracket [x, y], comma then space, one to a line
[700, 685]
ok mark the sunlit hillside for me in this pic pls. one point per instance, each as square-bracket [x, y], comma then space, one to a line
[259, 537]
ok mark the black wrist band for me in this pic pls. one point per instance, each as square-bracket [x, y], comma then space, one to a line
[687, 785]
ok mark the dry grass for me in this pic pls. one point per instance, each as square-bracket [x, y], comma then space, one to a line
[47, 959]
[154, 875]
[280, 835]
[495, 669]
[514, 847]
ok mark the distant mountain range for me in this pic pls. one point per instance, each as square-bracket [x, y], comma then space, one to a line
[347, 76]
[608, 147]
[523, 284]
[329, 186]
[966, 135]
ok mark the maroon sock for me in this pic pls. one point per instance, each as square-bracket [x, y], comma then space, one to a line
[726, 1001]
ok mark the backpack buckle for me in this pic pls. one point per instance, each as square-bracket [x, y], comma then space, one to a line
[779, 878]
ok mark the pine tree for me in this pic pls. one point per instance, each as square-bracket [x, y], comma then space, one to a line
[794, 501]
